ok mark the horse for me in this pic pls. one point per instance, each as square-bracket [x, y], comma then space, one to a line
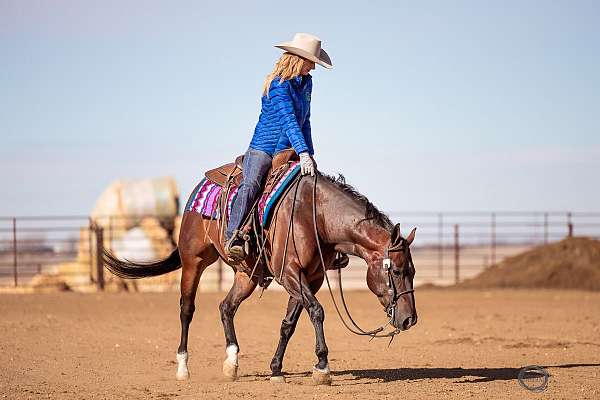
[325, 216]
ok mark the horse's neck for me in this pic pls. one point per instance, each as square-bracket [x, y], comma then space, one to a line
[343, 228]
[368, 240]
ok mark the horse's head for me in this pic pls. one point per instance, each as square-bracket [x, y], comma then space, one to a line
[390, 277]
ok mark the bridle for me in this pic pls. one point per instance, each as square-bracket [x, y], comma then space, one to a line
[390, 309]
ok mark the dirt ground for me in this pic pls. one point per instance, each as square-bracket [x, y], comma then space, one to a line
[467, 344]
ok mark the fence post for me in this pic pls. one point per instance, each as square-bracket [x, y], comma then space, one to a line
[569, 225]
[440, 244]
[91, 248]
[456, 255]
[99, 263]
[110, 232]
[493, 257]
[16, 279]
[546, 228]
[220, 276]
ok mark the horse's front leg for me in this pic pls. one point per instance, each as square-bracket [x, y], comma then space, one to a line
[298, 287]
[321, 373]
[242, 287]
[288, 326]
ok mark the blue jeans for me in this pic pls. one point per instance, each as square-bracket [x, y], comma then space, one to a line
[256, 165]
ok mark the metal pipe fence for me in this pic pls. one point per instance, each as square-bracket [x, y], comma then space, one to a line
[35, 249]
[449, 246]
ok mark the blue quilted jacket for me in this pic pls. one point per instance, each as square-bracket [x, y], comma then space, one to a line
[284, 120]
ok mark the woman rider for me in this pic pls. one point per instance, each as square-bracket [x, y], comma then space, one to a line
[284, 122]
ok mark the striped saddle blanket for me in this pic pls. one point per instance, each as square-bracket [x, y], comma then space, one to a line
[206, 197]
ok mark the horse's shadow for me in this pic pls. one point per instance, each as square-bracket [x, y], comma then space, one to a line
[402, 374]
[480, 374]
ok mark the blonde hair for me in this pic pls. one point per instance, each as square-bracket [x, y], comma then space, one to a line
[287, 67]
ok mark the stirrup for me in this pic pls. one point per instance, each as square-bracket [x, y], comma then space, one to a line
[235, 253]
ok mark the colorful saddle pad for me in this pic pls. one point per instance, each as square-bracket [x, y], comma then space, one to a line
[206, 196]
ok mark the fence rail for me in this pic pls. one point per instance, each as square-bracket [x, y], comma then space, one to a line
[450, 246]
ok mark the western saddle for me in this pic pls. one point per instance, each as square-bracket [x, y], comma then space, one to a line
[232, 172]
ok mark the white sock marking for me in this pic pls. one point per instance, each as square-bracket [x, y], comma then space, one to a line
[325, 370]
[182, 369]
[232, 354]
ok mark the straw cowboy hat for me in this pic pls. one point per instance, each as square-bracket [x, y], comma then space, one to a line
[307, 46]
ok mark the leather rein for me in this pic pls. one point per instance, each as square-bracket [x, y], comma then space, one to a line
[390, 309]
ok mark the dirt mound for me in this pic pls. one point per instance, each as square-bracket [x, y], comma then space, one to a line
[572, 263]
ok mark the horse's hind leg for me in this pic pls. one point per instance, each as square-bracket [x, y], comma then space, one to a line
[194, 263]
[288, 326]
[242, 287]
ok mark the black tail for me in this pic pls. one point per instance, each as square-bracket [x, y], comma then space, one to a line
[128, 269]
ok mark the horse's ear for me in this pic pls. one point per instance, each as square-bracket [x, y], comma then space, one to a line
[411, 237]
[396, 235]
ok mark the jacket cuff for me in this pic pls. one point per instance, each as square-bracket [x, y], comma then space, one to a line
[302, 149]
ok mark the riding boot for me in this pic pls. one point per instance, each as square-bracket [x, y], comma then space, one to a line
[235, 248]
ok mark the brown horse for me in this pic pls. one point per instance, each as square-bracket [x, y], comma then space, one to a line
[324, 216]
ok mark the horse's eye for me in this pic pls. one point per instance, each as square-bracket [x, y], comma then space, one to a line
[396, 272]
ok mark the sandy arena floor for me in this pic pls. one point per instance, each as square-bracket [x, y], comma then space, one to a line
[466, 344]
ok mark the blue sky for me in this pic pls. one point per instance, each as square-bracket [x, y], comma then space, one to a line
[431, 106]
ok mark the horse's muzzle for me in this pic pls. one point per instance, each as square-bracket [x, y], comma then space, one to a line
[404, 323]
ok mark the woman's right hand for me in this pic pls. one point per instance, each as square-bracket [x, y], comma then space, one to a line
[307, 165]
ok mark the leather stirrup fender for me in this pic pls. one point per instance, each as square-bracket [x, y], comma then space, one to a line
[219, 175]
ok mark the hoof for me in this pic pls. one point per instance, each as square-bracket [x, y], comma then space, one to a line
[182, 375]
[321, 377]
[230, 371]
[182, 370]
[277, 379]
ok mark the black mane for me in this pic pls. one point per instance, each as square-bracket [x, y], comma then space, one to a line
[372, 212]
